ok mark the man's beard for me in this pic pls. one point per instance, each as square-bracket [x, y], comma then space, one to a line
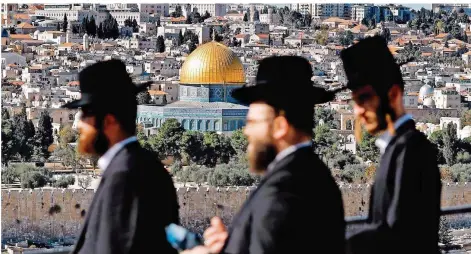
[261, 156]
[101, 143]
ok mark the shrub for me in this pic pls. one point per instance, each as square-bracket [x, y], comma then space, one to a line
[353, 173]
[33, 179]
[64, 181]
[461, 172]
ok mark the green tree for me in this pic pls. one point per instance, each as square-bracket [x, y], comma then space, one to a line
[466, 118]
[366, 148]
[234, 173]
[180, 38]
[353, 173]
[142, 138]
[218, 148]
[64, 23]
[325, 142]
[24, 136]
[436, 138]
[239, 141]
[68, 156]
[450, 144]
[168, 138]
[192, 146]
[35, 179]
[43, 137]
[10, 175]
[99, 31]
[342, 159]
[178, 12]
[64, 181]
[191, 46]
[326, 115]
[256, 16]
[444, 232]
[143, 98]
[9, 141]
[205, 16]
[246, 17]
[67, 135]
[135, 26]
[91, 27]
[84, 182]
[84, 25]
[161, 44]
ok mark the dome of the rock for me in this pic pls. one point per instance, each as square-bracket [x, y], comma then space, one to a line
[212, 63]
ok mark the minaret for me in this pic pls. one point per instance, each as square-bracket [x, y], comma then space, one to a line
[85, 42]
[68, 34]
[270, 16]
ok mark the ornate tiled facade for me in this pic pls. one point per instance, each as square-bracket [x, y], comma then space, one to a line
[198, 116]
[208, 93]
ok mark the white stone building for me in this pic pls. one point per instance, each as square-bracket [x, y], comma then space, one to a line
[447, 98]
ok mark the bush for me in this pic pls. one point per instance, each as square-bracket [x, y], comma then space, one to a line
[461, 172]
[463, 157]
[64, 181]
[234, 173]
[10, 175]
[200, 176]
[33, 179]
[446, 174]
[85, 182]
[176, 167]
[341, 160]
[353, 173]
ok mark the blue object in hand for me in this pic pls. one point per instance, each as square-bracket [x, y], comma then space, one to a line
[181, 238]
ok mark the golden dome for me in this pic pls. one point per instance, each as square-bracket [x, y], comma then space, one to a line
[212, 63]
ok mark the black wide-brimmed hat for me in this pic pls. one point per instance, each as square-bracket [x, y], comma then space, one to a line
[106, 85]
[370, 62]
[283, 82]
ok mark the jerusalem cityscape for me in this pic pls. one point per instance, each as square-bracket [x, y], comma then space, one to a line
[193, 57]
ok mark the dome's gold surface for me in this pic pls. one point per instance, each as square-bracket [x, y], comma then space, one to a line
[212, 63]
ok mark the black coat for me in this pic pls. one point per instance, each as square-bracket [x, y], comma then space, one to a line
[294, 200]
[122, 218]
[404, 208]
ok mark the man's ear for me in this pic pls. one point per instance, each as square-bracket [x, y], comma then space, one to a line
[280, 127]
[109, 120]
[395, 94]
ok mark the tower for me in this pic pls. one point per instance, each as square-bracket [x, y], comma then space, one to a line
[85, 42]
[270, 15]
[68, 34]
[252, 12]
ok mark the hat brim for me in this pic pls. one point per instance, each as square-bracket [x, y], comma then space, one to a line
[250, 94]
[87, 99]
[77, 103]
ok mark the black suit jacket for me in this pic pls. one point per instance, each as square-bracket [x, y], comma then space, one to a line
[404, 208]
[122, 218]
[294, 200]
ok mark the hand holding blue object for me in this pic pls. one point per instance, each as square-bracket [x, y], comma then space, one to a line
[181, 238]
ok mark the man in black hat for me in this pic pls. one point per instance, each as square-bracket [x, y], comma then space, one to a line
[120, 218]
[405, 198]
[297, 195]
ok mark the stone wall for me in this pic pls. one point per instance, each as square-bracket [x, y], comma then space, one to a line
[27, 213]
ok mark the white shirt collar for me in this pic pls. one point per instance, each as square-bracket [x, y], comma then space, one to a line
[105, 160]
[291, 149]
[383, 141]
